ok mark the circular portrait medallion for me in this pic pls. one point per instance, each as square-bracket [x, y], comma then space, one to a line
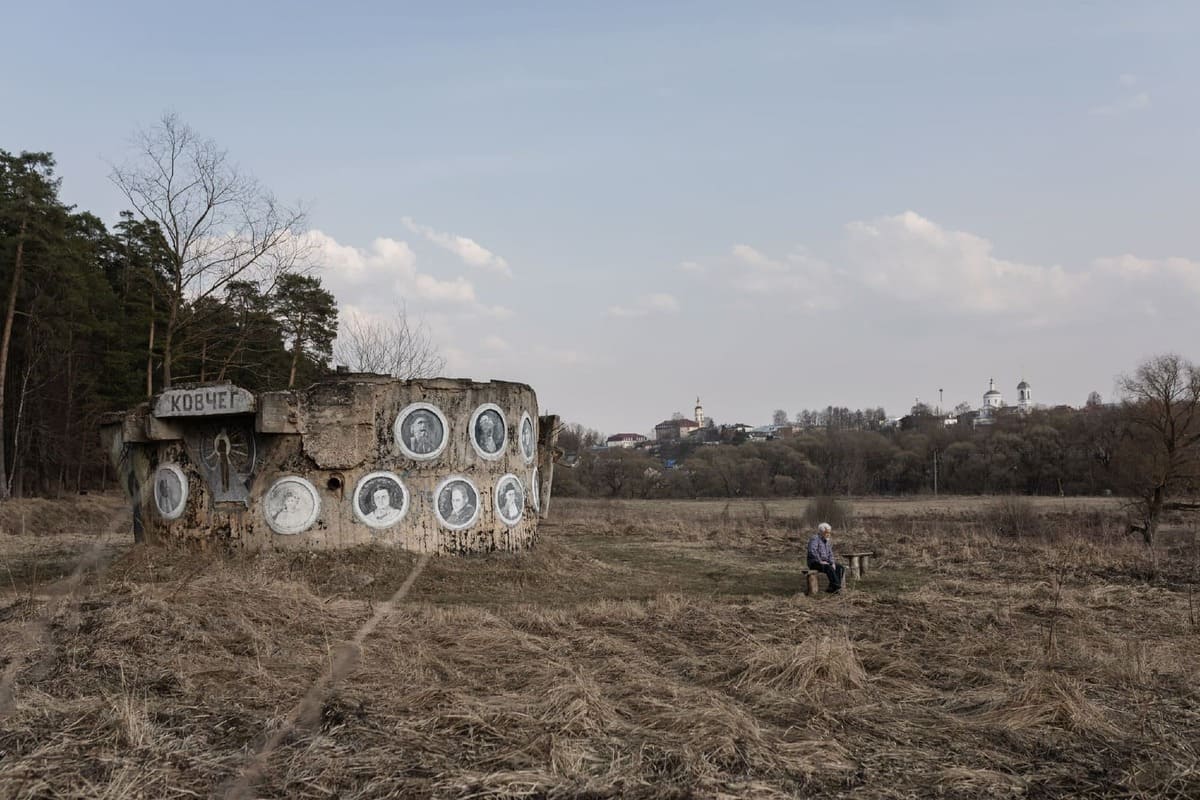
[488, 431]
[510, 499]
[291, 505]
[526, 438]
[456, 503]
[170, 491]
[420, 431]
[380, 499]
[535, 497]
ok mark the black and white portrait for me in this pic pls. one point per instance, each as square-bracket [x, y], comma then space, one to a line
[380, 499]
[456, 502]
[420, 431]
[170, 491]
[525, 438]
[510, 499]
[291, 505]
[535, 498]
[488, 432]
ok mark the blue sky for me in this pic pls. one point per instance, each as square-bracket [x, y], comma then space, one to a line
[768, 205]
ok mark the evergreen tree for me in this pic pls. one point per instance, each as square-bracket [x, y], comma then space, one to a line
[308, 317]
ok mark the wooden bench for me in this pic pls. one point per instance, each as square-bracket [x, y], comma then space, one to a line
[810, 580]
[856, 569]
[858, 563]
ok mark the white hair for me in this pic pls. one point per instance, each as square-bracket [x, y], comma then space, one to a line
[824, 527]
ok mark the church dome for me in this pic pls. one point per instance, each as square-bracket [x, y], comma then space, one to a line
[1022, 385]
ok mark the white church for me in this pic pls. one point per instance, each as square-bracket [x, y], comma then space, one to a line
[993, 402]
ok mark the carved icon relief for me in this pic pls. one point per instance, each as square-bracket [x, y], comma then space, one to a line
[226, 455]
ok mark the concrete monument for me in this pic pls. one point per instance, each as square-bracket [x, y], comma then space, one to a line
[425, 465]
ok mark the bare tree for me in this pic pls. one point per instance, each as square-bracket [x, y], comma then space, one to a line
[1162, 454]
[219, 223]
[393, 347]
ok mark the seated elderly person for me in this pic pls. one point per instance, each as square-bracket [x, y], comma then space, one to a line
[820, 557]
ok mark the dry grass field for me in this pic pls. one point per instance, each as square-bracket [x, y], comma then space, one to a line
[644, 649]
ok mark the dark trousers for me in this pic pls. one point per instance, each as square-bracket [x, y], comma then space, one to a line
[835, 573]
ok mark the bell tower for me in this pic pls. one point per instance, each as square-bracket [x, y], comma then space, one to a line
[699, 413]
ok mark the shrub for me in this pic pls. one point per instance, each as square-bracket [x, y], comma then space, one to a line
[1014, 517]
[838, 513]
[784, 485]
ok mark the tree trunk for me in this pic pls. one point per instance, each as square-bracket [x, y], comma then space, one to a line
[295, 357]
[21, 397]
[5, 342]
[150, 351]
[1153, 511]
[235, 351]
[233, 354]
[17, 476]
[66, 434]
[168, 345]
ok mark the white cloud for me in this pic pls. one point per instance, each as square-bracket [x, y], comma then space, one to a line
[1127, 102]
[471, 252]
[913, 259]
[808, 281]
[1167, 274]
[690, 266]
[658, 303]
[457, 359]
[1124, 105]
[386, 272]
[557, 356]
[495, 344]
[386, 258]
[458, 290]
[748, 256]
[662, 302]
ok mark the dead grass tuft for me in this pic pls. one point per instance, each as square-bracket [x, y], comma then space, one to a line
[1048, 699]
[824, 664]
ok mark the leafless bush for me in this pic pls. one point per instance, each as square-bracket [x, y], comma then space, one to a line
[395, 347]
[838, 513]
[1013, 517]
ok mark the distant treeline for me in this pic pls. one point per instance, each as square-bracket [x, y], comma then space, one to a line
[1060, 451]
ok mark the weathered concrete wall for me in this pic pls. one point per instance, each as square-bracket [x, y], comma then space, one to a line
[362, 459]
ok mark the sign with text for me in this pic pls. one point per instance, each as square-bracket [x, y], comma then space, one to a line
[204, 401]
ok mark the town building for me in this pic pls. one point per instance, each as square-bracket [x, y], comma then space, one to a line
[674, 429]
[993, 403]
[624, 440]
